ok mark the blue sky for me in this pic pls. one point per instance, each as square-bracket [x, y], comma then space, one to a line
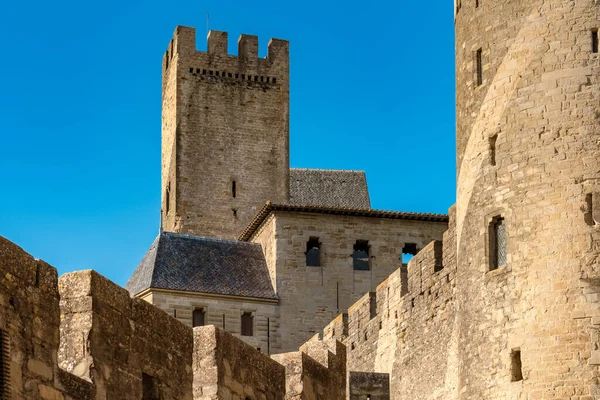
[372, 88]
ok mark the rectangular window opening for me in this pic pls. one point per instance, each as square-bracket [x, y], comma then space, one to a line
[313, 252]
[493, 141]
[516, 366]
[479, 67]
[360, 257]
[247, 324]
[198, 317]
[476, 3]
[497, 243]
[594, 40]
[274, 80]
[233, 189]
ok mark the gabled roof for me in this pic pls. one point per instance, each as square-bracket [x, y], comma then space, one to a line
[201, 264]
[329, 188]
[269, 207]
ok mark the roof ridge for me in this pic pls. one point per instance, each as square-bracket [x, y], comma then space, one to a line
[204, 238]
[329, 170]
[361, 212]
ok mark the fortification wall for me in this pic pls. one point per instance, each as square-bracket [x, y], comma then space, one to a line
[229, 131]
[317, 371]
[527, 150]
[29, 331]
[407, 330]
[227, 368]
[126, 346]
[335, 285]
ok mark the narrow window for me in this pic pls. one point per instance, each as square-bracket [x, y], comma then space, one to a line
[150, 389]
[516, 366]
[229, 74]
[247, 324]
[198, 317]
[174, 313]
[203, 72]
[498, 243]
[197, 70]
[4, 366]
[361, 255]
[233, 189]
[274, 80]
[168, 197]
[594, 40]
[493, 140]
[313, 252]
[476, 3]
[479, 67]
[191, 70]
[234, 212]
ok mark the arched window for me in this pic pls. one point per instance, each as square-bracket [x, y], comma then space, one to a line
[198, 317]
[313, 252]
[498, 243]
[360, 257]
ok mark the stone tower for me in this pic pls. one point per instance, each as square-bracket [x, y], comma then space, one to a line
[528, 165]
[225, 133]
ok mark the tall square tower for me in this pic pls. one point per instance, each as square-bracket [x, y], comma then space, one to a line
[225, 133]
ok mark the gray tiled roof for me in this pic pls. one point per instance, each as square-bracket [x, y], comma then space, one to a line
[329, 188]
[201, 264]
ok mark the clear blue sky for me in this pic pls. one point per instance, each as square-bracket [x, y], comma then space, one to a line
[372, 88]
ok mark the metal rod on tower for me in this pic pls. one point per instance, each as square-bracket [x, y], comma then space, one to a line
[207, 23]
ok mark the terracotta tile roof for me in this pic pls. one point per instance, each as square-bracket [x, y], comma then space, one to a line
[331, 188]
[269, 207]
[201, 264]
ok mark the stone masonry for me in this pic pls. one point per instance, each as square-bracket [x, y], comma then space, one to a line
[225, 134]
[502, 300]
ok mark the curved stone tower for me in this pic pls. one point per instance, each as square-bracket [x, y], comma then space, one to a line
[528, 163]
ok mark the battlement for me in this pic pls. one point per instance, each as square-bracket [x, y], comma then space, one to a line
[183, 44]
[317, 370]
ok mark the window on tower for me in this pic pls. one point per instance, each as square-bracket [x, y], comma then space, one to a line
[497, 243]
[479, 67]
[594, 40]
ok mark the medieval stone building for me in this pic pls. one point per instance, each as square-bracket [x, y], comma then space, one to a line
[501, 301]
[268, 253]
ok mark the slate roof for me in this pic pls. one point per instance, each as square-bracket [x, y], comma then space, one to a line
[201, 264]
[269, 207]
[330, 188]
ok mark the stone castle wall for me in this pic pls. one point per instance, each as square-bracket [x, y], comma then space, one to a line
[126, 347]
[225, 120]
[527, 151]
[407, 328]
[227, 368]
[81, 337]
[29, 330]
[335, 285]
